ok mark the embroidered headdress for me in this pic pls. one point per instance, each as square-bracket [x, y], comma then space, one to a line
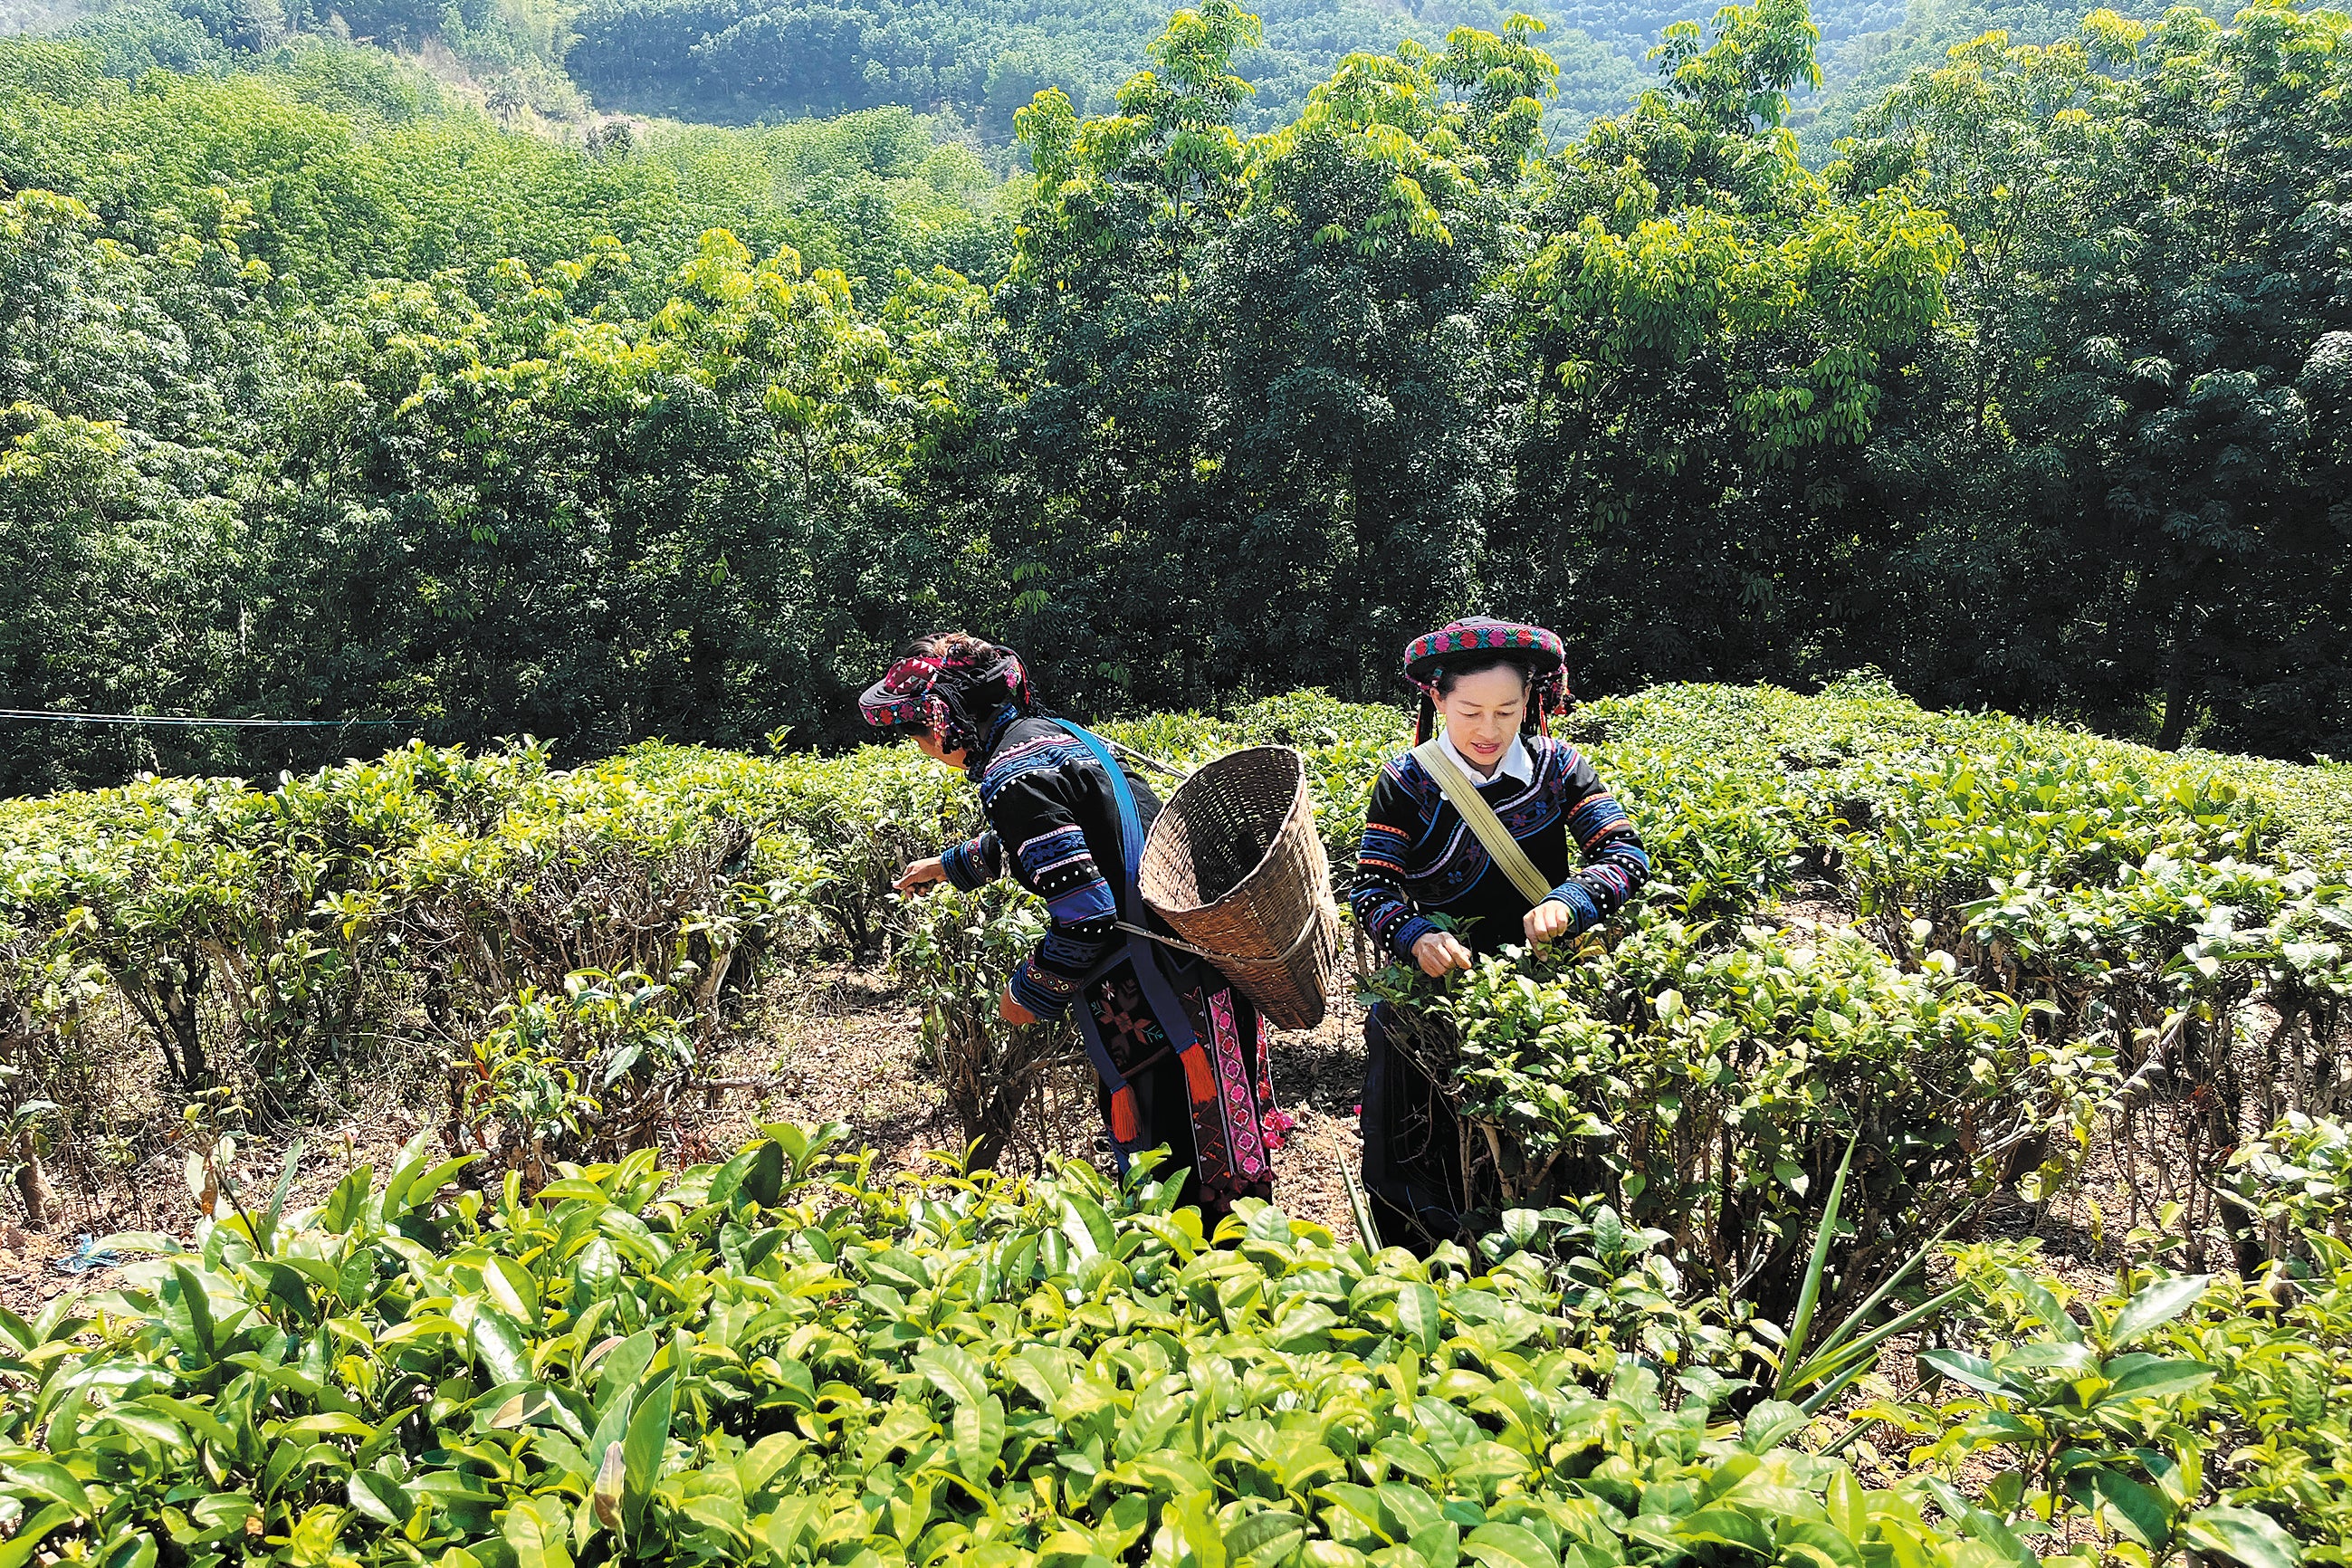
[1483, 640]
[953, 685]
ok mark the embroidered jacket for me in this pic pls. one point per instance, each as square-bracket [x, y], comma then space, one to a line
[1047, 796]
[1419, 858]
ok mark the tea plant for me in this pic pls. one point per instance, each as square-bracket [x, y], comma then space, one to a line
[960, 948]
[595, 1073]
[1709, 1088]
[2296, 1178]
[774, 1361]
[2172, 1415]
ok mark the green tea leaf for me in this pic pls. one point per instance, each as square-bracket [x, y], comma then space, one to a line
[134, 1549]
[347, 1202]
[2244, 1535]
[2044, 1306]
[45, 1478]
[1508, 1546]
[620, 1368]
[2139, 1511]
[18, 1549]
[1087, 1227]
[538, 1531]
[1418, 1316]
[2155, 1305]
[223, 1511]
[764, 1181]
[512, 1287]
[421, 1189]
[1964, 1367]
[648, 1436]
[979, 1431]
[498, 1344]
[953, 1371]
[198, 1309]
[1771, 1423]
[379, 1497]
[2151, 1378]
[1265, 1538]
[1195, 1517]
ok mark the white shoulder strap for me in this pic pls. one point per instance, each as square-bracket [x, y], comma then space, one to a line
[1483, 822]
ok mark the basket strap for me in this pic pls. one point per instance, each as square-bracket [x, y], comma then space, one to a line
[1147, 759]
[1482, 821]
[1158, 993]
[1314, 924]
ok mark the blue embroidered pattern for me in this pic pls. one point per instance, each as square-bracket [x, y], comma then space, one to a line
[974, 863]
[1061, 870]
[1051, 852]
[1055, 863]
[1030, 756]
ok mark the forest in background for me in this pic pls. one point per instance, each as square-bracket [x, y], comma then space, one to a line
[328, 398]
[970, 63]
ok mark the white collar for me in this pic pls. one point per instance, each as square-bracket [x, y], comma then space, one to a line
[1516, 764]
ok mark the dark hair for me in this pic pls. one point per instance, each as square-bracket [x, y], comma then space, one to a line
[946, 645]
[976, 681]
[1451, 675]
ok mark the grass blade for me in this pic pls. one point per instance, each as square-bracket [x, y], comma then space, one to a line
[1861, 1314]
[1810, 1297]
[1833, 1360]
[1358, 1210]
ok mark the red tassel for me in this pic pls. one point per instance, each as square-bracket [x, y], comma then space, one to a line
[1198, 1080]
[1126, 1126]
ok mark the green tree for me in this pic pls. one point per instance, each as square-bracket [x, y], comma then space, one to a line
[2138, 385]
[1710, 329]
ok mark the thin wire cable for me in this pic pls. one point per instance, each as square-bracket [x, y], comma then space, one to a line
[50, 716]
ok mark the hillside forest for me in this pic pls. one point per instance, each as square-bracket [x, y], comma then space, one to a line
[329, 399]
[968, 66]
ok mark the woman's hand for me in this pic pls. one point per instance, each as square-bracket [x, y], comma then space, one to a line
[922, 877]
[1440, 953]
[1549, 919]
[1012, 1011]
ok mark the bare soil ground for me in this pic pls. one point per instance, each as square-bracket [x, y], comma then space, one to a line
[854, 1054]
[841, 1044]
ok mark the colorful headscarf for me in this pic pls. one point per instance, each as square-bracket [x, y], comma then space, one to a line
[954, 694]
[1481, 637]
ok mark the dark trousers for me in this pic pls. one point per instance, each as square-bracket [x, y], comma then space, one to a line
[1413, 1143]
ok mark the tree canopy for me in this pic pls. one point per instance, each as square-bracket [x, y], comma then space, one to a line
[327, 398]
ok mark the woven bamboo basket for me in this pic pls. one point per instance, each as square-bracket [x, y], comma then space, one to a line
[1235, 865]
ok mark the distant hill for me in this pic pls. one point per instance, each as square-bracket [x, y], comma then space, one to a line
[979, 60]
[970, 64]
[1859, 68]
[37, 16]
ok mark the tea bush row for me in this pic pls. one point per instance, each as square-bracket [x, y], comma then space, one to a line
[780, 1360]
[2102, 910]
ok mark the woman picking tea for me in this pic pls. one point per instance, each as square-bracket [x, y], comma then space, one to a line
[1503, 830]
[1179, 1051]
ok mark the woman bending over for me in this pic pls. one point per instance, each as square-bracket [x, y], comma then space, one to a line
[1181, 1052]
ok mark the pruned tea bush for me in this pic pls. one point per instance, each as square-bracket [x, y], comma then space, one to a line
[775, 1360]
[1709, 1084]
